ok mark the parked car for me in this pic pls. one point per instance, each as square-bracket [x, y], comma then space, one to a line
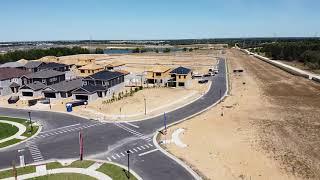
[203, 81]
[77, 103]
[13, 99]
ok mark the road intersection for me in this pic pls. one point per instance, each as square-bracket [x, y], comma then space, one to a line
[110, 141]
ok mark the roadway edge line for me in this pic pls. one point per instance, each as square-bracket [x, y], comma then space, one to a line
[183, 164]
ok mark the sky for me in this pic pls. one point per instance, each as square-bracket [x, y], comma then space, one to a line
[34, 20]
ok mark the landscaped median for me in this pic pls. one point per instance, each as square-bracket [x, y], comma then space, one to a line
[15, 130]
[76, 170]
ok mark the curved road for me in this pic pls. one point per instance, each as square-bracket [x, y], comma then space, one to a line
[109, 141]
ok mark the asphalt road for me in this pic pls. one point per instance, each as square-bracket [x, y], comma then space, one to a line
[109, 141]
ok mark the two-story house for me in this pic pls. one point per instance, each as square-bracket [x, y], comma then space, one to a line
[33, 66]
[46, 77]
[180, 77]
[102, 84]
[90, 69]
[158, 74]
[10, 81]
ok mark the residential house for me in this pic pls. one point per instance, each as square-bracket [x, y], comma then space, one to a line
[10, 81]
[115, 66]
[46, 77]
[55, 66]
[180, 77]
[33, 89]
[33, 66]
[90, 69]
[12, 65]
[84, 61]
[102, 84]
[158, 74]
[62, 89]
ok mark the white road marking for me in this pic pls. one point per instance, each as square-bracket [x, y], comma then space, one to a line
[130, 124]
[113, 157]
[109, 159]
[138, 148]
[146, 146]
[150, 144]
[148, 152]
[122, 154]
[135, 150]
[60, 128]
[131, 131]
[142, 147]
[118, 155]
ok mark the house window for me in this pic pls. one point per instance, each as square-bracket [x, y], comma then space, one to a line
[158, 74]
[85, 83]
[43, 81]
[185, 76]
[179, 76]
[82, 71]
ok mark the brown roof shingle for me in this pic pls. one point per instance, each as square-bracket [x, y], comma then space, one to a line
[9, 73]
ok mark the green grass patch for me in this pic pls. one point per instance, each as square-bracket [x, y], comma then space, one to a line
[75, 164]
[20, 171]
[26, 134]
[65, 176]
[115, 172]
[7, 130]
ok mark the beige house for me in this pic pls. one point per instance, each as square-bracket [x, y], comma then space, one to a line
[115, 66]
[84, 61]
[90, 69]
[180, 77]
[158, 74]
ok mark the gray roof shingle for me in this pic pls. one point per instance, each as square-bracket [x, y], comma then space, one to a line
[44, 74]
[90, 89]
[180, 70]
[105, 75]
[32, 64]
[66, 86]
[34, 86]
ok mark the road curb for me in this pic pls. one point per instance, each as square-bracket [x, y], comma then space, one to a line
[183, 164]
[25, 140]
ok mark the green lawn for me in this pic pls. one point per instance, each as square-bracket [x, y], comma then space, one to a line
[115, 172]
[75, 164]
[65, 176]
[26, 134]
[7, 130]
[20, 171]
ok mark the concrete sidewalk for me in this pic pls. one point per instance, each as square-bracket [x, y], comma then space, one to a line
[18, 135]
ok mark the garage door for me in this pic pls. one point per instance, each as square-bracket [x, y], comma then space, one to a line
[50, 95]
[81, 97]
[27, 94]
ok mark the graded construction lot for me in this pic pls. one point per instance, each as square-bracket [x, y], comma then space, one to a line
[269, 129]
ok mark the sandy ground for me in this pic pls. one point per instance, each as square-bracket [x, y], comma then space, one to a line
[269, 129]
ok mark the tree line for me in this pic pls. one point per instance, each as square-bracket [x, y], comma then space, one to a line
[33, 54]
[307, 51]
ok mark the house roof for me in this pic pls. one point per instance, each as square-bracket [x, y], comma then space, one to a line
[44, 74]
[123, 72]
[51, 65]
[89, 89]
[115, 64]
[159, 68]
[65, 86]
[14, 84]
[32, 64]
[9, 73]
[23, 61]
[34, 86]
[12, 64]
[91, 66]
[105, 75]
[181, 70]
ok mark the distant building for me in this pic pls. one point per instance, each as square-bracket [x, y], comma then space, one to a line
[115, 66]
[33, 66]
[46, 77]
[102, 84]
[55, 66]
[10, 81]
[180, 77]
[158, 75]
[90, 69]
[12, 65]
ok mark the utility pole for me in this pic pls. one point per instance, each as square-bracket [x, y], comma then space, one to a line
[81, 145]
[145, 106]
[30, 122]
[128, 153]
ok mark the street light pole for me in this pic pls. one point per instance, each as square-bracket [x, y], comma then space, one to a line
[145, 106]
[128, 152]
[30, 122]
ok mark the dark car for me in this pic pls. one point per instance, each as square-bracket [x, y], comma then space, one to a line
[13, 99]
[203, 81]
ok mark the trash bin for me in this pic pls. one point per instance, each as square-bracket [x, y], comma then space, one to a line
[69, 107]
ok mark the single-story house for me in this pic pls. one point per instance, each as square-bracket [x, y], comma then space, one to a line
[158, 74]
[32, 89]
[33, 66]
[102, 84]
[10, 81]
[180, 77]
[46, 77]
[62, 89]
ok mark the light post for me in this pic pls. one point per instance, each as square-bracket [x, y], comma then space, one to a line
[128, 153]
[145, 106]
[30, 122]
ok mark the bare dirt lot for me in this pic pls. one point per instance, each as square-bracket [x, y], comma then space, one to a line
[269, 129]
